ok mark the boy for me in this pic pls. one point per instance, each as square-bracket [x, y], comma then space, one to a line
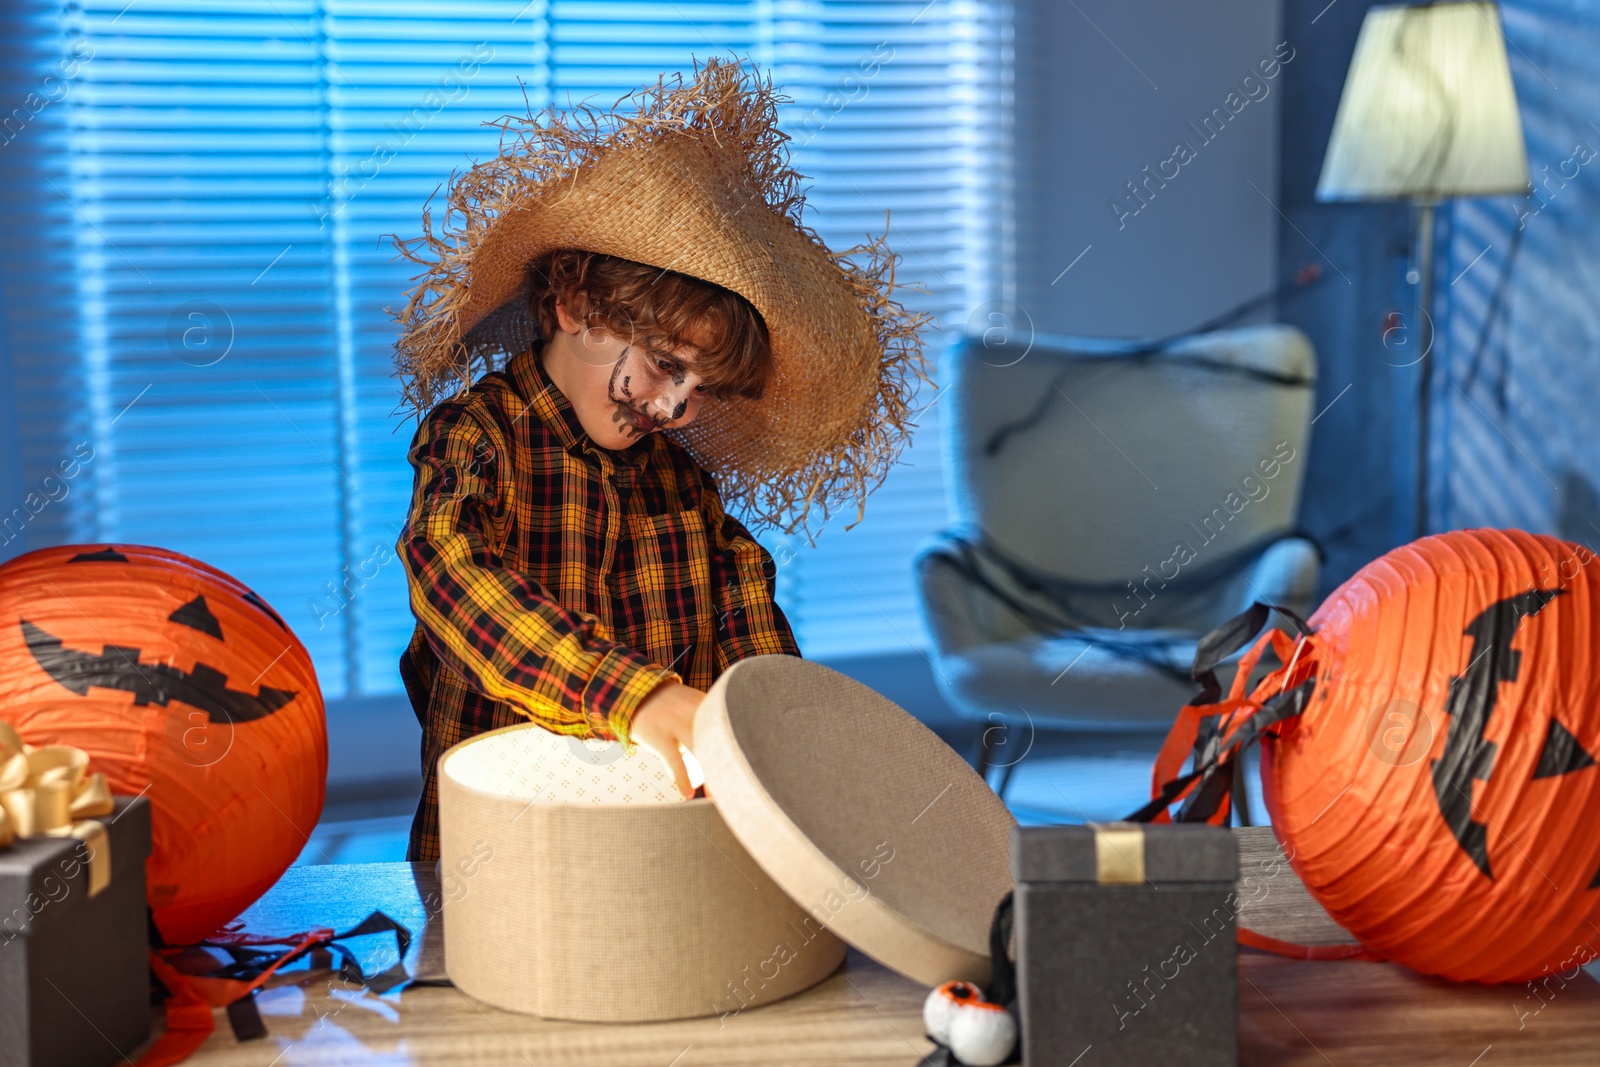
[568, 553]
[618, 531]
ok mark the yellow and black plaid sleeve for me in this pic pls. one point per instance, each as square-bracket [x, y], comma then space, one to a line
[503, 632]
[744, 582]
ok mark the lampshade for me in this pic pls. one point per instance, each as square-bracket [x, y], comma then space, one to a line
[1428, 110]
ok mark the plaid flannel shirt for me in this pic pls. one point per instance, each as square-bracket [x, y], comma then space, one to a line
[558, 581]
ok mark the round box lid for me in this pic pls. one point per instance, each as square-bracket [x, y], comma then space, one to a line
[877, 828]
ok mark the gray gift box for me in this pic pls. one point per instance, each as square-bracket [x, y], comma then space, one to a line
[74, 968]
[1126, 945]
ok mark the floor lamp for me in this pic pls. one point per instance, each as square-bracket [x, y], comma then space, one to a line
[1427, 113]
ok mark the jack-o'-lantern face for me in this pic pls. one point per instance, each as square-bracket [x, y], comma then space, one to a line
[1459, 837]
[1468, 754]
[151, 677]
[179, 681]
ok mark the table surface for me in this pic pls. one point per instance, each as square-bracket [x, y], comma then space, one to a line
[1290, 1011]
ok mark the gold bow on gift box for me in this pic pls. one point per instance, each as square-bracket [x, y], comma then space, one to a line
[47, 792]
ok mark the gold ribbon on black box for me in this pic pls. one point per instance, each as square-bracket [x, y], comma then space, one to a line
[1118, 853]
[48, 792]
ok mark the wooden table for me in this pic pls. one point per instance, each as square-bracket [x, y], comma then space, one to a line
[1291, 1012]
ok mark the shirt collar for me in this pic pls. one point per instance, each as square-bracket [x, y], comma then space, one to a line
[546, 402]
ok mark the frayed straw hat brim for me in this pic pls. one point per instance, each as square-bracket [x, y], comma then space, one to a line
[695, 180]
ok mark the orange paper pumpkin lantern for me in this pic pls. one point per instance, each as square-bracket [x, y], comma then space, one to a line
[1429, 754]
[180, 682]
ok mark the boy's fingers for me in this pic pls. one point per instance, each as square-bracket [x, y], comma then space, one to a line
[680, 773]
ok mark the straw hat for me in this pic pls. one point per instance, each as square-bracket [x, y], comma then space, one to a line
[694, 178]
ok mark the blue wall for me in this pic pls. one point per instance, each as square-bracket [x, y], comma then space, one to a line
[1359, 479]
[1118, 234]
[1520, 434]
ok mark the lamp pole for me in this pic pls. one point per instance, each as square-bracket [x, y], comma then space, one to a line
[1424, 284]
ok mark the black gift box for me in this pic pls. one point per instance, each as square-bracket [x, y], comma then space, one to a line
[74, 968]
[1126, 944]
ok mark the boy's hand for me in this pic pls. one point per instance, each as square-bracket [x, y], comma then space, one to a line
[666, 720]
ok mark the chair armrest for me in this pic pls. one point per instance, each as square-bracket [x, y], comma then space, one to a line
[959, 614]
[1285, 575]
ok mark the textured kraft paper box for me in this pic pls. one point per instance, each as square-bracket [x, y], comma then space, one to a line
[74, 969]
[1126, 945]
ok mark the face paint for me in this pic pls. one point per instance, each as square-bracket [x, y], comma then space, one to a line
[624, 417]
[643, 389]
[628, 419]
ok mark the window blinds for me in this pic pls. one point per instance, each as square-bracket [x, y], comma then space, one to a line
[198, 275]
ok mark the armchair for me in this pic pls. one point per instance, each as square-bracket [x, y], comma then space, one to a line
[1111, 509]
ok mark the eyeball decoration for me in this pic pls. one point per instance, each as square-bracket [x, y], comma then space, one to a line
[977, 1033]
[936, 1010]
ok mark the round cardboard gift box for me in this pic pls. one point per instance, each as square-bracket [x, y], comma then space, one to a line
[581, 886]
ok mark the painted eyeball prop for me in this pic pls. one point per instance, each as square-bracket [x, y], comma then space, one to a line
[982, 1034]
[941, 1003]
[978, 1033]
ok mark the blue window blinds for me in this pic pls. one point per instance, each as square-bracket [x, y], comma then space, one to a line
[197, 272]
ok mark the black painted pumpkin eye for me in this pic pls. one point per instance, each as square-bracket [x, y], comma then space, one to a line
[196, 616]
[1561, 754]
[105, 555]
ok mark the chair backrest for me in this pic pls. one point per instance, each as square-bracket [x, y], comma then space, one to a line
[1090, 469]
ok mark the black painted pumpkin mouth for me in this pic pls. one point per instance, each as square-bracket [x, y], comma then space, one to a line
[115, 667]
